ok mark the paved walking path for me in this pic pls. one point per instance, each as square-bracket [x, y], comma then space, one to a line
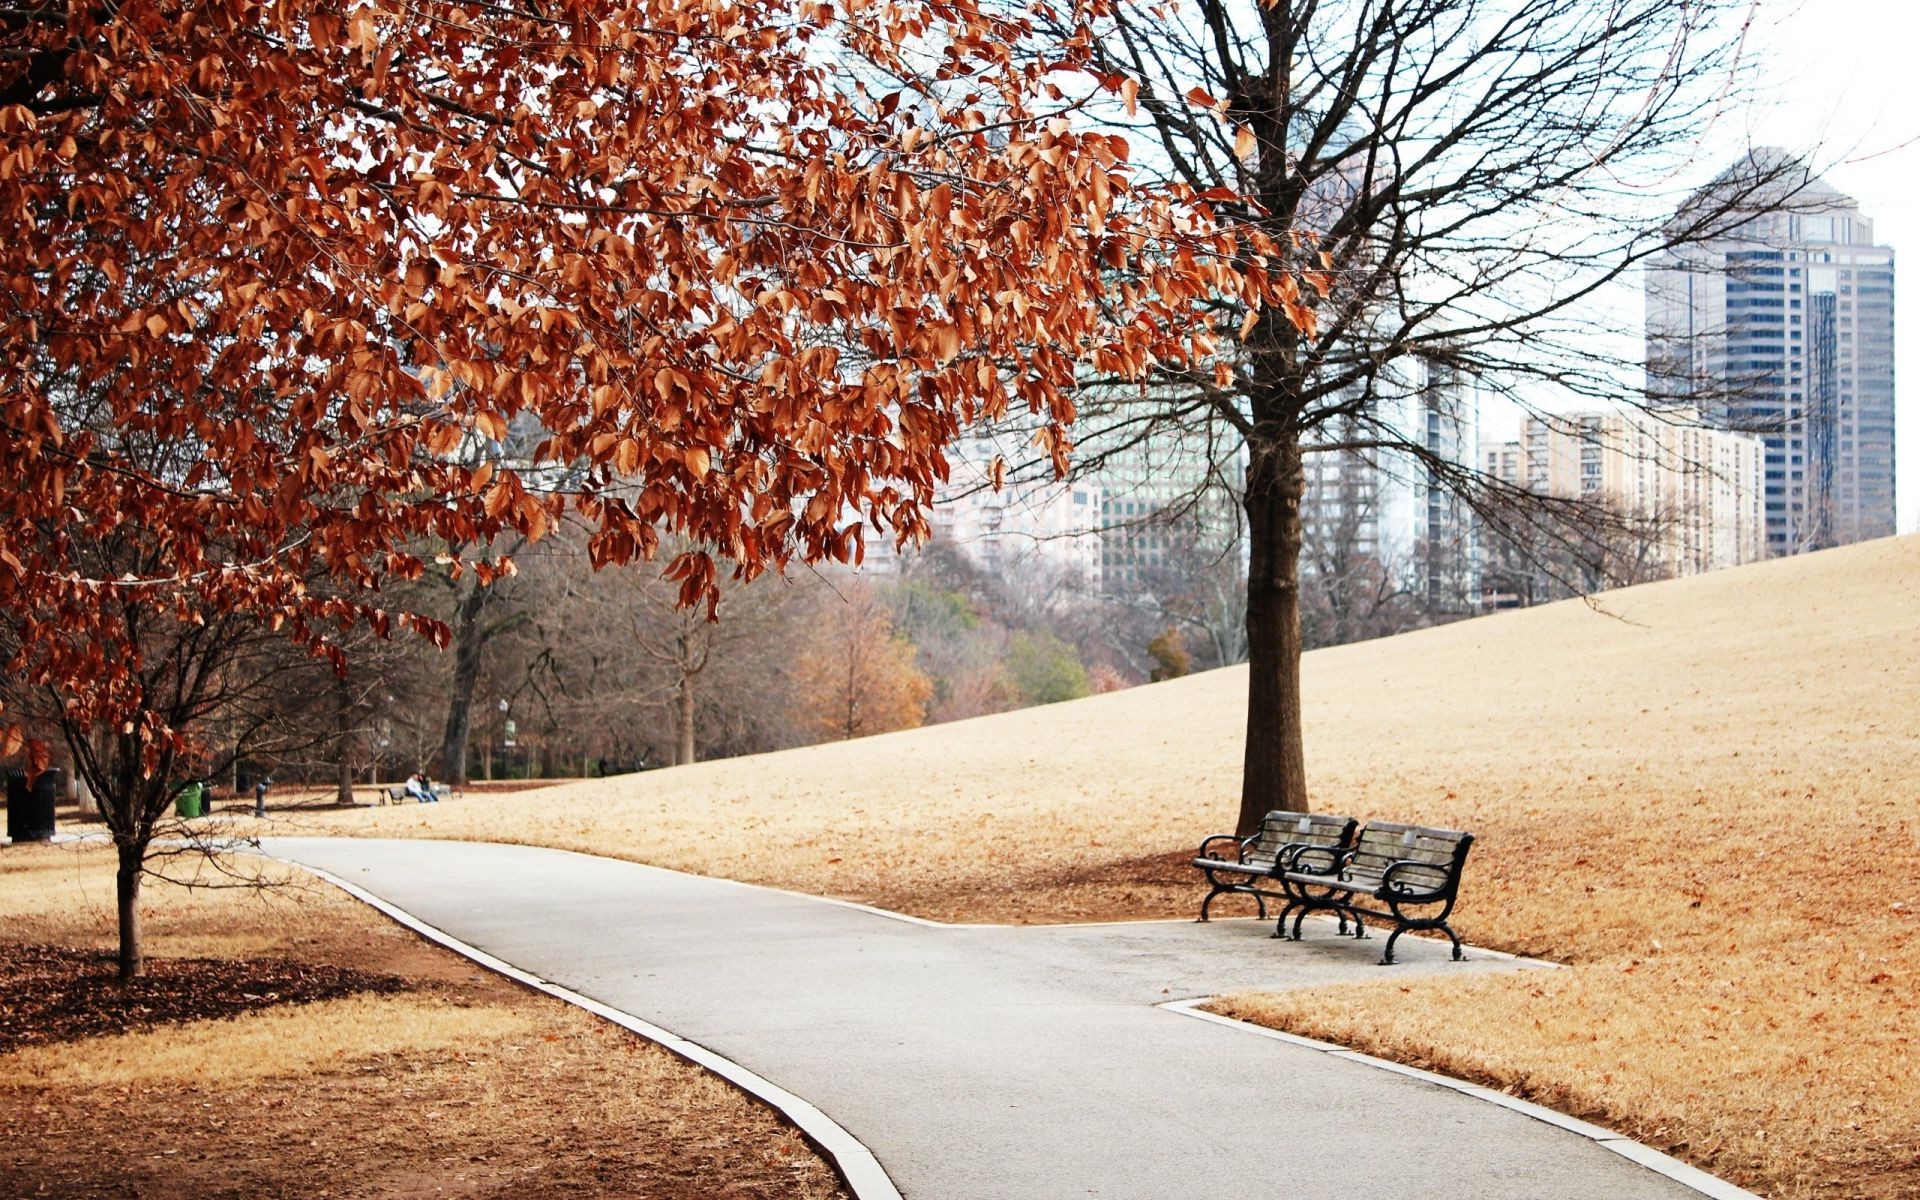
[997, 1063]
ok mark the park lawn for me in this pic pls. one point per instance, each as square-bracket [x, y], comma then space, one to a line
[456, 1083]
[1703, 795]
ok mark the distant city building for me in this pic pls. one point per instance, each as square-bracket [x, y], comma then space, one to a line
[1166, 505]
[1127, 517]
[1786, 330]
[1390, 493]
[1694, 492]
[1042, 527]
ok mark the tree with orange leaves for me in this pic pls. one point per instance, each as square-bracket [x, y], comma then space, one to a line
[858, 677]
[281, 273]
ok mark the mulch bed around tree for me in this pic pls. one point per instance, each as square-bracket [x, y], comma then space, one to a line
[62, 993]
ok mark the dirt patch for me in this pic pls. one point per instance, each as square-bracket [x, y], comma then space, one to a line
[62, 993]
[1122, 889]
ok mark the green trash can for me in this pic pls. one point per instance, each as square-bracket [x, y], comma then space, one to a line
[189, 800]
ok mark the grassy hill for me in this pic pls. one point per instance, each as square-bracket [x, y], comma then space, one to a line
[1704, 794]
[1786, 679]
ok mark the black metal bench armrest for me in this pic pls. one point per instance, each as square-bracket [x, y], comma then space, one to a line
[1389, 886]
[1239, 844]
[1319, 860]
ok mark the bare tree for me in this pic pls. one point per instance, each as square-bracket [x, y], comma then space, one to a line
[481, 611]
[1461, 181]
[1352, 587]
[1558, 549]
[616, 651]
[1193, 580]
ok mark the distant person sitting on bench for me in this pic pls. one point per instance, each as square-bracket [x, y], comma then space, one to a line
[421, 788]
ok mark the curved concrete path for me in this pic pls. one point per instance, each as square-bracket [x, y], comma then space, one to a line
[1001, 1063]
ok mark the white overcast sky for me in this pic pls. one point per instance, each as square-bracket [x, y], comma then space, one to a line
[1846, 77]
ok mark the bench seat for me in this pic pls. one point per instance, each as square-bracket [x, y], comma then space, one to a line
[1256, 866]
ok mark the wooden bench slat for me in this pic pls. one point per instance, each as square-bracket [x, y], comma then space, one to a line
[1252, 866]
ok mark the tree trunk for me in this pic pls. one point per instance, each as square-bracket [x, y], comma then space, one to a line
[1275, 776]
[853, 691]
[343, 741]
[469, 643]
[133, 953]
[685, 752]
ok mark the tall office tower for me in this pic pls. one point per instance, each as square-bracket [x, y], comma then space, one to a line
[1785, 329]
[1169, 508]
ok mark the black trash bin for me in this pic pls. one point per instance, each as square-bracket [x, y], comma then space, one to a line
[17, 795]
[30, 809]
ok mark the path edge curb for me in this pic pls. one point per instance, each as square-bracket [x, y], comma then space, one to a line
[856, 1165]
[1686, 1175]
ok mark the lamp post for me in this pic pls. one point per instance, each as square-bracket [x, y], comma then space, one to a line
[506, 733]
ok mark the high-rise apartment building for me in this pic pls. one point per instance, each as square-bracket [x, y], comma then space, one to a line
[1691, 495]
[1389, 497]
[1132, 517]
[1168, 507]
[1785, 330]
[1039, 528]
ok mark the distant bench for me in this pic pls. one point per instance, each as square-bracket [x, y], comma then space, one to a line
[398, 794]
[1283, 837]
[1409, 873]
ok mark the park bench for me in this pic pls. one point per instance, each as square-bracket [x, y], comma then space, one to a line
[1407, 874]
[1283, 838]
[398, 794]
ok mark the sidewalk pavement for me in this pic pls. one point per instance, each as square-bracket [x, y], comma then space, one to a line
[995, 1062]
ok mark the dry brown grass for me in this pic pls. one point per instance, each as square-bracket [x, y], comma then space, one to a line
[467, 1086]
[64, 893]
[276, 1041]
[1705, 797]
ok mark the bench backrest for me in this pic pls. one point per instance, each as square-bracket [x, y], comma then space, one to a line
[1439, 853]
[1281, 829]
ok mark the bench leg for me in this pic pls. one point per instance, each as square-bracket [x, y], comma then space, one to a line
[1298, 918]
[1221, 889]
[1208, 902]
[1386, 956]
[1301, 905]
[1280, 926]
[1459, 954]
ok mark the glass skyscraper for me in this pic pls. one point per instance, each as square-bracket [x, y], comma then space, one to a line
[1785, 329]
